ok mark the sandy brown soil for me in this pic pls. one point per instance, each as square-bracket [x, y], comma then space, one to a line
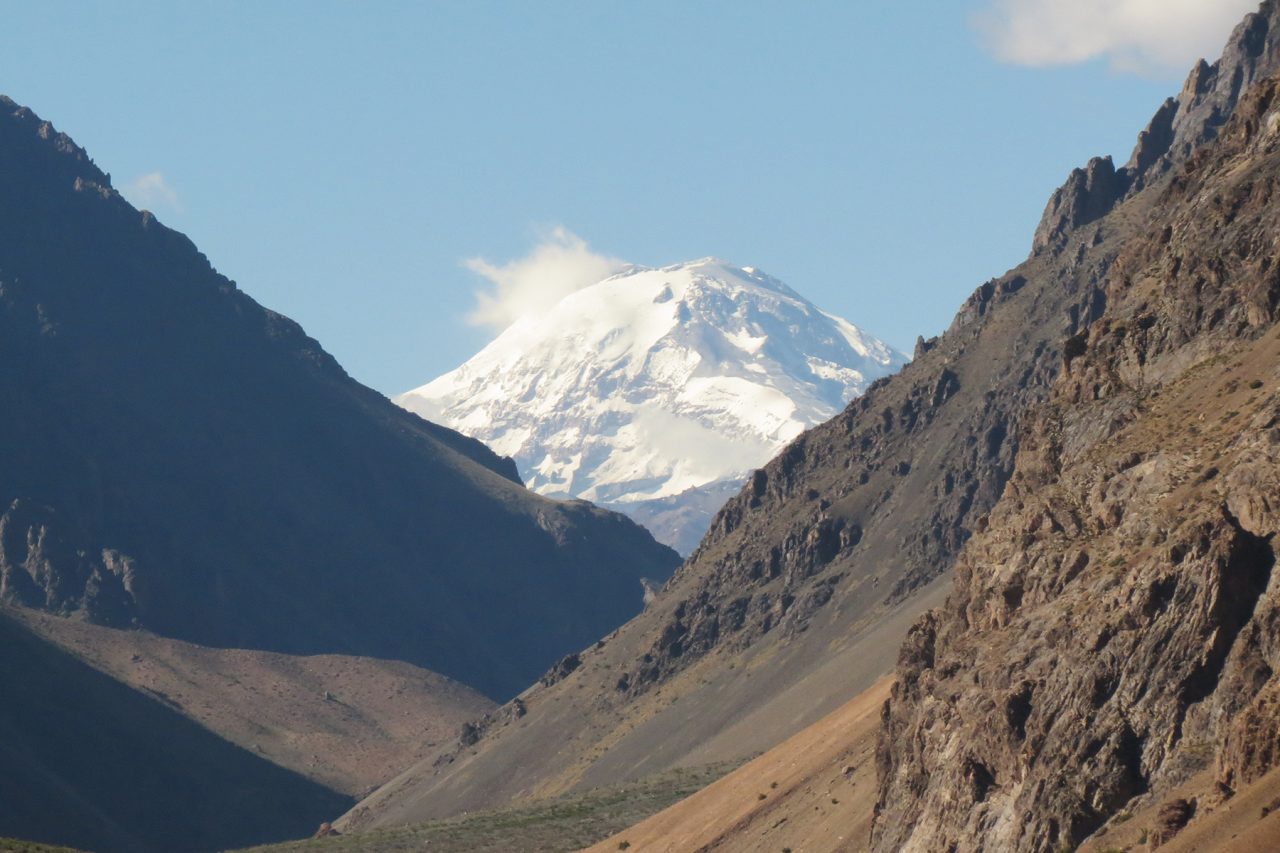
[1238, 826]
[348, 723]
[814, 792]
[810, 804]
[1234, 826]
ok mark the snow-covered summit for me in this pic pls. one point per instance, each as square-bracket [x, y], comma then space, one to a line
[656, 381]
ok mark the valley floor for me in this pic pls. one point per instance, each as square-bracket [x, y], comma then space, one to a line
[558, 825]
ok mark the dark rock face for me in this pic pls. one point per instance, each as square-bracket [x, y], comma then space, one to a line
[184, 460]
[1088, 195]
[1119, 611]
[88, 762]
[1171, 820]
[563, 667]
[45, 566]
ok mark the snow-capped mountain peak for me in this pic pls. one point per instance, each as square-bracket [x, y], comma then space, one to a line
[653, 382]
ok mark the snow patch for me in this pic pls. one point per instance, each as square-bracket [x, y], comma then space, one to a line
[655, 382]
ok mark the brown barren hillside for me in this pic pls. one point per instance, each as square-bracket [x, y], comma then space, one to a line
[1245, 823]
[344, 722]
[88, 762]
[813, 792]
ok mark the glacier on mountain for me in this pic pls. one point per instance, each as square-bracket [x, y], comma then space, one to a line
[643, 389]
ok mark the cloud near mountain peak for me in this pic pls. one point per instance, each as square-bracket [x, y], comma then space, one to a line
[1150, 37]
[560, 264]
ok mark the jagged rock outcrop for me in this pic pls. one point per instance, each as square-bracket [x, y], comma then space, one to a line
[1171, 820]
[1181, 125]
[182, 459]
[1117, 617]
[1088, 195]
[1209, 96]
[46, 566]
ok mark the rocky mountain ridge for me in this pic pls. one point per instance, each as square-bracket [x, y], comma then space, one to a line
[1181, 126]
[1114, 623]
[193, 463]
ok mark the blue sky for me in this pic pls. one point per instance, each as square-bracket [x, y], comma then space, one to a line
[343, 161]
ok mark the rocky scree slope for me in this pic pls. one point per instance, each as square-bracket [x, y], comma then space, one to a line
[802, 794]
[793, 602]
[657, 389]
[1116, 622]
[184, 460]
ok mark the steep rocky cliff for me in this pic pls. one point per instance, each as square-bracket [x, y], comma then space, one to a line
[1115, 623]
[1177, 130]
[179, 458]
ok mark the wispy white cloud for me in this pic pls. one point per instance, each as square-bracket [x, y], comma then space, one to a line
[1138, 36]
[151, 191]
[561, 263]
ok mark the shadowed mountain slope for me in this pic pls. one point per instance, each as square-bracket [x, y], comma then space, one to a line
[88, 762]
[181, 459]
[347, 723]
